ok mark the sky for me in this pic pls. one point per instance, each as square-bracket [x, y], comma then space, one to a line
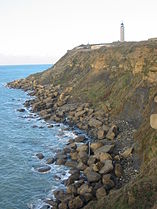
[41, 31]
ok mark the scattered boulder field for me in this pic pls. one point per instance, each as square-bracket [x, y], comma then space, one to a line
[109, 93]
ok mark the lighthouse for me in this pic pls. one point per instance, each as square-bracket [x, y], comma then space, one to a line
[122, 32]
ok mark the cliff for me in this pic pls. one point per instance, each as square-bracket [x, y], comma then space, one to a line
[121, 81]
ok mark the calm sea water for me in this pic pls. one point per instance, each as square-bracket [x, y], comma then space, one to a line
[21, 186]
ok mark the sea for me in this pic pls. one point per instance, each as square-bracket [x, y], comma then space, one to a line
[22, 136]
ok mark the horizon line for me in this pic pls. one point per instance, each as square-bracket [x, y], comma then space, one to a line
[26, 64]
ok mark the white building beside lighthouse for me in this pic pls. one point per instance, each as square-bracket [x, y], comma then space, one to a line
[122, 39]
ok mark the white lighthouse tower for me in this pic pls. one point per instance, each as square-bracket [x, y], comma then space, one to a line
[122, 32]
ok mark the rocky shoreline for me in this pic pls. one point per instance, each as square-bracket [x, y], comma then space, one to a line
[97, 166]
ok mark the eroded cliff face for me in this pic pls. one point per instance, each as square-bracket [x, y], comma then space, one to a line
[120, 80]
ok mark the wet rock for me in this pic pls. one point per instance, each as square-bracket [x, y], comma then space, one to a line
[66, 150]
[34, 126]
[75, 203]
[50, 161]
[79, 138]
[73, 145]
[108, 166]
[61, 195]
[72, 164]
[21, 110]
[93, 176]
[60, 161]
[44, 169]
[100, 193]
[50, 126]
[40, 156]
[52, 203]
[118, 170]
[61, 156]
[45, 207]
[74, 177]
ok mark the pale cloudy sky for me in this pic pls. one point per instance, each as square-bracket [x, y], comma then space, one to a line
[40, 31]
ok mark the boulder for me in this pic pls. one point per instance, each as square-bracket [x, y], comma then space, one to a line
[74, 177]
[71, 189]
[97, 167]
[21, 110]
[44, 169]
[104, 156]
[61, 195]
[101, 134]
[63, 205]
[93, 176]
[112, 132]
[87, 197]
[50, 161]
[52, 203]
[108, 167]
[84, 188]
[104, 149]
[81, 166]
[60, 161]
[73, 145]
[82, 148]
[75, 203]
[72, 164]
[153, 121]
[108, 183]
[94, 146]
[155, 99]
[100, 193]
[40, 156]
[91, 160]
[80, 138]
[127, 153]
[94, 123]
[118, 170]
[87, 170]
[74, 155]
[80, 113]
[83, 156]
[60, 156]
